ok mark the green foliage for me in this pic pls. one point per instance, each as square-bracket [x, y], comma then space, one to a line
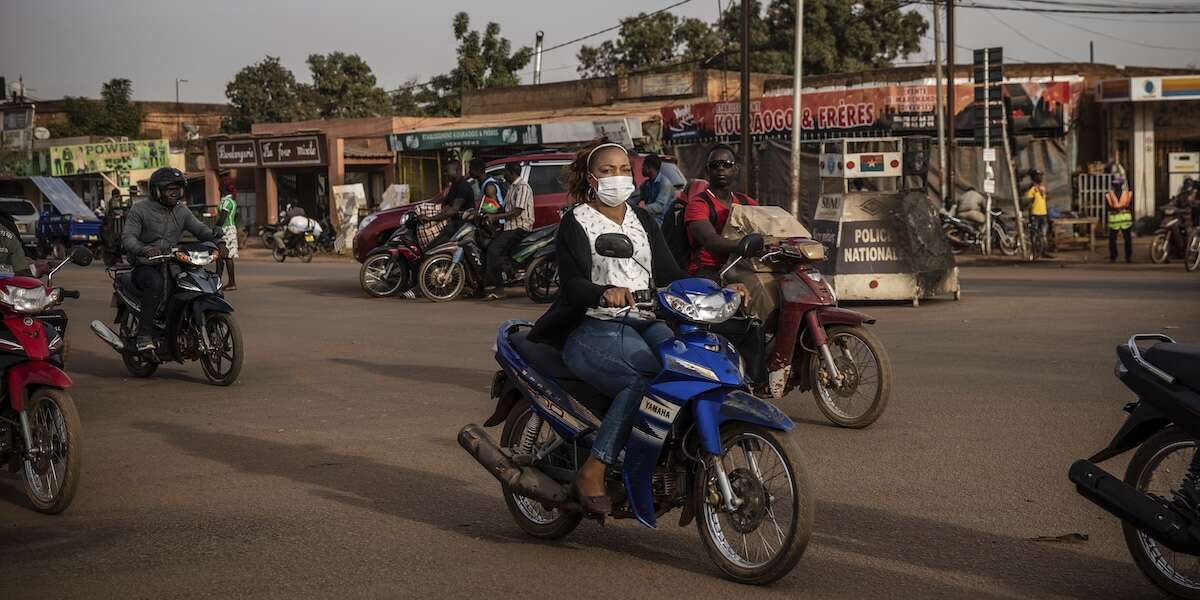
[115, 114]
[660, 41]
[264, 92]
[484, 60]
[343, 87]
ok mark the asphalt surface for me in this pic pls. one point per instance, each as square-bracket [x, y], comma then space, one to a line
[331, 468]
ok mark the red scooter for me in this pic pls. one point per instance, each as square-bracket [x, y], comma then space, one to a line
[816, 345]
[39, 425]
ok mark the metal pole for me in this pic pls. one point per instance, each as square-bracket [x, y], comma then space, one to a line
[987, 145]
[1012, 178]
[537, 58]
[950, 96]
[747, 167]
[797, 108]
[940, 114]
[1091, 51]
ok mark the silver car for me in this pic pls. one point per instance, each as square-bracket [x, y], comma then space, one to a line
[26, 216]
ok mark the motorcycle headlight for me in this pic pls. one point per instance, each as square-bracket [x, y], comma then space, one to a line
[367, 220]
[28, 301]
[713, 308]
[199, 259]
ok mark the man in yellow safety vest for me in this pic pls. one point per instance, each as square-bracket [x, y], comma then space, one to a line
[1120, 218]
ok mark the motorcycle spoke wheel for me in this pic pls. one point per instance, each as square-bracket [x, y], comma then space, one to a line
[441, 280]
[530, 515]
[1160, 249]
[1191, 260]
[541, 282]
[222, 363]
[375, 278]
[52, 475]
[1158, 468]
[866, 378]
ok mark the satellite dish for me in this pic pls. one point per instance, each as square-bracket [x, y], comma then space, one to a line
[193, 133]
[41, 133]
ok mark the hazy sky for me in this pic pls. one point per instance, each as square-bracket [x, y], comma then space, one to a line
[65, 47]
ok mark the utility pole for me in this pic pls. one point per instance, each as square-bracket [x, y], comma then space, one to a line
[747, 154]
[948, 174]
[537, 58]
[177, 82]
[940, 114]
[797, 108]
[1091, 51]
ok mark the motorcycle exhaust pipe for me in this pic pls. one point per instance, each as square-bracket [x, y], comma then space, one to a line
[111, 338]
[1148, 514]
[526, 481]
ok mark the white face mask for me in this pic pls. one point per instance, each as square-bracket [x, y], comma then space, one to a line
[614, 190]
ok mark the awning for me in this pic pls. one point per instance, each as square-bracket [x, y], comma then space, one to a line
[63, 198]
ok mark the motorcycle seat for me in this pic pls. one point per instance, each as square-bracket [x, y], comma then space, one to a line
[547, 360]
[1181, 361]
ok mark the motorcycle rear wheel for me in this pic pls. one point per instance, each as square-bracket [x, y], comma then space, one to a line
[279, 254]
[541, 280]
[1159, 564]
[755, 457]
[138, 365]
[374, 276]
[223, 366]
[1160, 249]
[54, 424]
[862, 359]
[1006, 242]
[441, 280]
[530, 515]
[1191, 258]
[307, 251]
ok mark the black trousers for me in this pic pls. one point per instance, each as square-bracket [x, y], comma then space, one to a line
[497, 253]
[149, 280]
[1127, 233]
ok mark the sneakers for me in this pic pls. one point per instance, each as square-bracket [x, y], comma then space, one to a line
[145, 343]
[496, 294]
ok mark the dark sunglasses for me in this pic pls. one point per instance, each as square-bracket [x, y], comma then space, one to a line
[713, 165]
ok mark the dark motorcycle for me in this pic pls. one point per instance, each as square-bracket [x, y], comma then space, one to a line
[456, 266]
[196, 320]
[1158, 501]
[1170, 239]
[298, 245]
[964, 234]
[392, 267]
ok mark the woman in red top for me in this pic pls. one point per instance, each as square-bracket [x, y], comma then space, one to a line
[708, 211]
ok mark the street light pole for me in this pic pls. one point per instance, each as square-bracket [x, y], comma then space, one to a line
[940, 114]
[747, 154]
[177, 82]
[797, 107]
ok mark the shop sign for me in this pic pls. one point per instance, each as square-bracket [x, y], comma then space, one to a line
[297, 151]
[107, 157]
[516, 135]
[235, 153]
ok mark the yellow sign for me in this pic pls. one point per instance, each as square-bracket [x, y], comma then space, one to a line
[107, 157]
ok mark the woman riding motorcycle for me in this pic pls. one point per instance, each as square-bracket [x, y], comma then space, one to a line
[595, 319]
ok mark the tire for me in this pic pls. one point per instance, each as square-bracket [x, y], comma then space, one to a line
[1191, 256]
[87, 257]
[827, 401]
[1146, 553]
[58, 250]
[268, 240]
[279, 254]
[1004, 241]
[137, 364]
[792, 542]
[559, 523]
[307, 252]
[224, 326]
[52, 416]
[1160, 249]
[541, 279]
[372, 282]
[435, 289]
[952, 238]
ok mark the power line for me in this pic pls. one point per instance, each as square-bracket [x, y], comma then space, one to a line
[1113, 37]
[1097, 11]
[617, 26]
[1029, 39]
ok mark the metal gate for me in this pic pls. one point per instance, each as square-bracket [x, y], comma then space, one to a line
[1090, 191]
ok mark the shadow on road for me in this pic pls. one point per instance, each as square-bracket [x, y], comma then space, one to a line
[330, 287]
[475, 380]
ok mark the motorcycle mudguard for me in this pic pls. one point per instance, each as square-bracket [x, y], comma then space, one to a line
[1144, 421]
[833, 315]
[447, 248]
[506, 396]
[27, 374]
[715, 408]
[546, 250]
[212, 303]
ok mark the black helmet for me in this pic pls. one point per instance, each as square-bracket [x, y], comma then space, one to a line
[164, 177]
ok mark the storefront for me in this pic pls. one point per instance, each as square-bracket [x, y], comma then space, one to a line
[291, 170]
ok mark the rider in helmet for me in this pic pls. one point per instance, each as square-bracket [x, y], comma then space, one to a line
[154, 227]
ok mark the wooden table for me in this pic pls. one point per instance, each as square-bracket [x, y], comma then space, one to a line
[1066, 232]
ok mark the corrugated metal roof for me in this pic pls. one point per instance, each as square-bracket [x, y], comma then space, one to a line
[63, 198]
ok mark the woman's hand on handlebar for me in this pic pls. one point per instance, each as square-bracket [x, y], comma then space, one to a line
[742, 290]
[618, 297]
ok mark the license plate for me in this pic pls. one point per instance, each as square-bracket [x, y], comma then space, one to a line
[24, 227]
[308, 237]
[92, 238]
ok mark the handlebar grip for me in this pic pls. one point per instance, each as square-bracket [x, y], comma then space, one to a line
[73, 294]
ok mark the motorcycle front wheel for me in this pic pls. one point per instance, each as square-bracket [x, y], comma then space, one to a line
[223, 362]
[379, 278]
[52, 476]
[441, 280]
[530, 515]
[307, 252]
[1160, 249]
[541, 280]
[1191, 258]
[1158, 467]
[764, 538]
[866, 374]
[279, 254]
[1005, 241]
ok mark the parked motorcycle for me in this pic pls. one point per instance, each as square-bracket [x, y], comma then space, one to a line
[1170, 238]
[325, 239]
[964, 234]
[392, 267]
[196, 320]
[1158, 501]
[701, 442]
[1191, 257]
[39, 424]
[835, 355]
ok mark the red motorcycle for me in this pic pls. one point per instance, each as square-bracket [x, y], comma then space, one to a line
[392, 267]
[39, 425]
[817, 345]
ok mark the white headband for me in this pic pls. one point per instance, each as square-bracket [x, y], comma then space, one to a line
[588, 164]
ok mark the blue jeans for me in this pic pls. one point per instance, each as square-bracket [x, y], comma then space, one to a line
[619, 360]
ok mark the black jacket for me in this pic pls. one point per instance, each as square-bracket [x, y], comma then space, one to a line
[577, 293]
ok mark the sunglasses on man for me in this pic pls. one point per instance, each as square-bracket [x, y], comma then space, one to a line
[713, 165]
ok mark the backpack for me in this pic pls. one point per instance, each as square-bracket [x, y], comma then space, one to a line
[674, 229]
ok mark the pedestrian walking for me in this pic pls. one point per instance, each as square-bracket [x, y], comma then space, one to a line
[227, 224]
[517, 220]
[1120, 218]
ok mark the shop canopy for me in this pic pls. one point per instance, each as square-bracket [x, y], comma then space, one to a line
[63, 198]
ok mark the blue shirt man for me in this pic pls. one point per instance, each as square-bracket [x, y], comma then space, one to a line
[657, 192]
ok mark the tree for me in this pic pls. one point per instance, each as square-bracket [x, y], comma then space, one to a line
[658, 41]
[264, 92]
[484, 61]
[406, 101]
[344, 87]
[115, 114]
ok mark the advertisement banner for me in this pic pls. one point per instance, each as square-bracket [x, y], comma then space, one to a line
[882, 110]
[347, 199]
[106, 157]
[516, 135]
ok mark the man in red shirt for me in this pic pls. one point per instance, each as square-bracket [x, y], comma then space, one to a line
[708, 211]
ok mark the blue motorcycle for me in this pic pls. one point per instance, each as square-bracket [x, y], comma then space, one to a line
[701, 442]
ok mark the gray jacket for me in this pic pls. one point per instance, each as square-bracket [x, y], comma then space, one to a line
[150, 224]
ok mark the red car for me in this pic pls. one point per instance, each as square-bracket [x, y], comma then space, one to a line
[543, 171]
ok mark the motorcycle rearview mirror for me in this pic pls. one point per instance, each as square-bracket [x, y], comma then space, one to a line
[614, 245]
[80, 256]
[750, 246]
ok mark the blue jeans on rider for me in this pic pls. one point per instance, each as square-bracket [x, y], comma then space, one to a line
[619, 360]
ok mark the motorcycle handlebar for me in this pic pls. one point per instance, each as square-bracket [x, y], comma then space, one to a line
[72, 294]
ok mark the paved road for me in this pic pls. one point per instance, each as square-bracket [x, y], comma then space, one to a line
[331, 470]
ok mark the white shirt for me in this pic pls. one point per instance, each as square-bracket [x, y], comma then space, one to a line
[617, 272]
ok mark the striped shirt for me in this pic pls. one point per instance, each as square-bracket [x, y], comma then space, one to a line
[520, 195]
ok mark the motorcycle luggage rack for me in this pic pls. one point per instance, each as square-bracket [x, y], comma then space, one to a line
[1137, 354]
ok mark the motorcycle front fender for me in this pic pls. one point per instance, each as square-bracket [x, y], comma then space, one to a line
[833, 315]
[715, 408]
[25, 375]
